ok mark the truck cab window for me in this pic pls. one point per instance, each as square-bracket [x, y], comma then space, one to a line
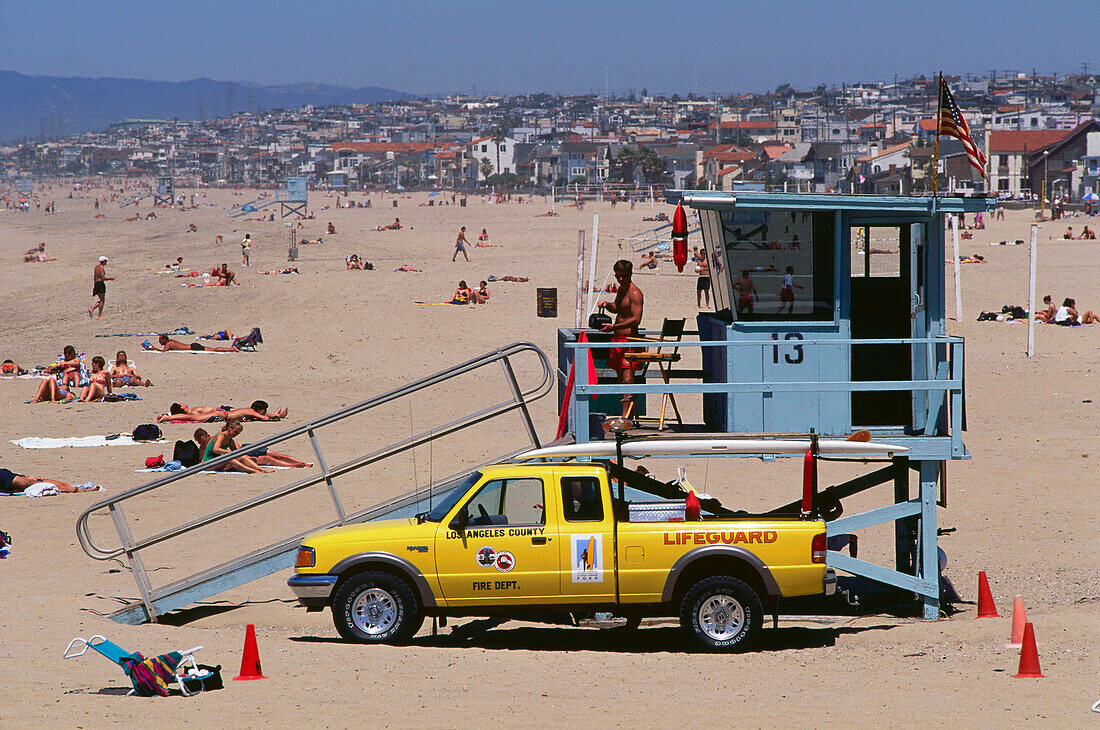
[507, 502]
[580, 498]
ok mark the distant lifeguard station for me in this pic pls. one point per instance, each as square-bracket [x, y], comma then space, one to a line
[830, 318]
[295, 201]
[164, 191]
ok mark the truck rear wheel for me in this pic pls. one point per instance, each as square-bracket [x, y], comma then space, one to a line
[376, 608]
[721, 613]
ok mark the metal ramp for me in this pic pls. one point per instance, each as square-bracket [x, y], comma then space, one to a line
[259, 204]
[655, 238]
[254, 564]
[134, 199]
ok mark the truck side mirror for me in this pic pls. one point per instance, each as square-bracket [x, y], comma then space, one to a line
[458, 524]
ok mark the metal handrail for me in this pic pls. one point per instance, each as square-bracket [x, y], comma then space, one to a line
[519, 402]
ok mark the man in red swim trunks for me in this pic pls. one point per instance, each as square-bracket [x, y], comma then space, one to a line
[628, 315]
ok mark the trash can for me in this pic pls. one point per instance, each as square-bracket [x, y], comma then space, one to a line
[595, 426]
[395, 204]
[546, 301]
[462, 203]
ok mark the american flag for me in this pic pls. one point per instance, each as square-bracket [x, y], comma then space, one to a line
[952, 124]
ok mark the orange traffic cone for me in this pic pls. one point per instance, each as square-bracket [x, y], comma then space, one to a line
[986, 607]
[1029, 655]
[250, 660]
[1019, 618]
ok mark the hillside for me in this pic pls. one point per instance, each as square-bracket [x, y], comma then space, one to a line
[55, 106]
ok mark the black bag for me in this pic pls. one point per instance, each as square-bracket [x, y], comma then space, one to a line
[597, 320]
[147, 432]
[187, 453]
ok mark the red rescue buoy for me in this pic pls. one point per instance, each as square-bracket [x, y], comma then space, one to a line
[679, 237]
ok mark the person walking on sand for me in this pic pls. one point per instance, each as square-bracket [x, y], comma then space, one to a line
[99, 286]
[460, 245]
[246, 249]
[627, 307]
[786, 292]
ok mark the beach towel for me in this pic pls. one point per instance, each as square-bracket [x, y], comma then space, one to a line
[41, 489]
[151, 676]
[193, 352]
[116, 397]
[179, 467]
[37, 442]
[439, 304]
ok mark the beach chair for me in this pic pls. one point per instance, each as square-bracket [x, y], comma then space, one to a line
[249, 341]
[671, 331]
[151, 676]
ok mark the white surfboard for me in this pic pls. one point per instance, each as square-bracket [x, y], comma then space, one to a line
[703, 447]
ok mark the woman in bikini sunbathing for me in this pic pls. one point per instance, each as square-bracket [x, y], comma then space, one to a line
[223, 443]
[99, 382]
[65, 377]
[123, 373]
[181, 412]
[263, 457]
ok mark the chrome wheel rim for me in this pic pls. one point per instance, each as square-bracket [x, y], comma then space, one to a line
[721, 617]
[374, 611]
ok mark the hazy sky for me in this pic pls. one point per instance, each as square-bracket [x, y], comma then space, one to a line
[552, 45]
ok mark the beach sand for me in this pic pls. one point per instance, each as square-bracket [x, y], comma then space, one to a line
[1022, 509]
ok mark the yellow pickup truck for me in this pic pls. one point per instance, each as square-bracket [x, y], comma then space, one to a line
[553, 537]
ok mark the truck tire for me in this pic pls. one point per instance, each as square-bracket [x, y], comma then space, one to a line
[721, 613]
[375, 607]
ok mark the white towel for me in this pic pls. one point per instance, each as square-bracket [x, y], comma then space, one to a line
[36, 442]
[41, 489]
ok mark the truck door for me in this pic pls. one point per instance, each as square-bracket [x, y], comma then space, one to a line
[586, 539]
[509, 554]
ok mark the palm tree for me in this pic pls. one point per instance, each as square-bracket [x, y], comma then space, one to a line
[486, 167]
[498, 134]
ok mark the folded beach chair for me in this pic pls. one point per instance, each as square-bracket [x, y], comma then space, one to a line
[152, 676]
[249, 341]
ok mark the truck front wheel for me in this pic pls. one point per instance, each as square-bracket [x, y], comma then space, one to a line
[721, 613]
[376, 608]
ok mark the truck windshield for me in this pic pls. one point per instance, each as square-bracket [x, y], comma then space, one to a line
[450, 499]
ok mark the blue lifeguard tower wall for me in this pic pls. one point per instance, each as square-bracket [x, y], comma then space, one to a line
[295, 199]
[861, 344]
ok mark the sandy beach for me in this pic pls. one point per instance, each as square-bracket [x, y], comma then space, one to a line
[1023, 509]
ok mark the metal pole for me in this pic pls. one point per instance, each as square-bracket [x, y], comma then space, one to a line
[958, 269]
[580, 279]
[328, 478]
[1034, 262]
[592, 261]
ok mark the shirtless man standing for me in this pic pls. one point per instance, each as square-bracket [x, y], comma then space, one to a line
[99, 287]
[628, 315]
[746, 293]
[460, 245]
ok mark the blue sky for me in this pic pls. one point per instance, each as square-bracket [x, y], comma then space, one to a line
[555, 46]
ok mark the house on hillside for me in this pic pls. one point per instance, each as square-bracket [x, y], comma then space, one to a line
[746, 132]
[500, 154]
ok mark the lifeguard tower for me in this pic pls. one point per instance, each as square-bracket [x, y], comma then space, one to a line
[295, 201]
[830, 318]
[164, 191]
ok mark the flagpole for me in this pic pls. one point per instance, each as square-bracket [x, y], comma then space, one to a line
[936, 152]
